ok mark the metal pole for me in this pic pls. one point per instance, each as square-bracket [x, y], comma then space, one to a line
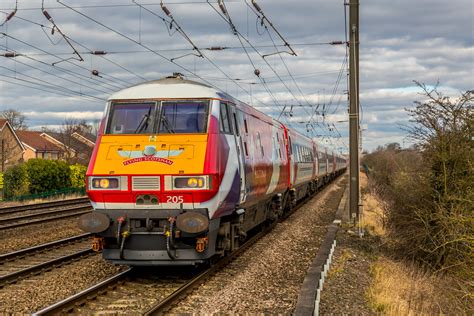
[354, 109]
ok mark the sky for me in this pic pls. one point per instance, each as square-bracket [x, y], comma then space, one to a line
[400, 41]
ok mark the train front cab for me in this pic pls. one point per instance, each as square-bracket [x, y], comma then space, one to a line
[160, 172]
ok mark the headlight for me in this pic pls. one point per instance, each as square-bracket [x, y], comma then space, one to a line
[109, 183]
[200, 182]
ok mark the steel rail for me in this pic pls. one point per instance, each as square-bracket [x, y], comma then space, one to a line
[39, 248]
[163, 305]
[69, 303]
[41, 214]
[78, 211]
[45, 205]
[36, 269]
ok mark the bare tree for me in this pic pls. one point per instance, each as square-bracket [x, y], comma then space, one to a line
[74, 150]
[16, 119]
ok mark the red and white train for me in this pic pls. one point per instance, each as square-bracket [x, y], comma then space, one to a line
[182, 172]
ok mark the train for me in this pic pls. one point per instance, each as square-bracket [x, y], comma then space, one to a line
[181, 173]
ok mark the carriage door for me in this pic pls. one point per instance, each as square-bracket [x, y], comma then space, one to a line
[233, 112]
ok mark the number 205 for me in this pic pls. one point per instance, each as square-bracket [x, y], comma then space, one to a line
[175, 199]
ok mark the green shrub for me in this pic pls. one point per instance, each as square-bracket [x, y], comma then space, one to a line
[47, 175]
[15, 181]
[78, 175]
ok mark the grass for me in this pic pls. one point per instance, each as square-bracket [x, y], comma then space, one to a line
[402, 288]
[399, 288]
[35, 201]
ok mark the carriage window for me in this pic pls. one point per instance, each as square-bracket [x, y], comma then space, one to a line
[131, 118]
[183, 117]
[260, 144]
[224, 120]
[236, 125]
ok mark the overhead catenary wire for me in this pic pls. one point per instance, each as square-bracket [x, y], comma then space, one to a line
[264, 18]
[268, 64]
[155, 52]
[66, 71]
[258, 52]
[236, 33]
[88, 51]
[49, 84]
[290, 74]
[96, 6]
[168, 13]
[51, 88]
[50, 19]
[11, 14]
[114, 86]
[57, 76]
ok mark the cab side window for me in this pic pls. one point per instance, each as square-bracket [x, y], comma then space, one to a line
[225, 123]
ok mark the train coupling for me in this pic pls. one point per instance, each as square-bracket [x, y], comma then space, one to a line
[98, 244]
[201, 244]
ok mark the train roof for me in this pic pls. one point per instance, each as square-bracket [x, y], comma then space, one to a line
[166, 88]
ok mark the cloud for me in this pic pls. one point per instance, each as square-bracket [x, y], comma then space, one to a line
[401, 41]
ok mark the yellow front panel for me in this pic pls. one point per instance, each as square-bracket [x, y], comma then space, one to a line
[145, 154]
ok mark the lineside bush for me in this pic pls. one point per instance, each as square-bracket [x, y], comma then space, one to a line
[78, 175]
[429, 188]
[15, 181]
[47, 175]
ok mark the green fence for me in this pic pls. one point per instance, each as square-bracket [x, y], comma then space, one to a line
[45, 195]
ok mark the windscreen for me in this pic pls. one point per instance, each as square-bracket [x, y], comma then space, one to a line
[183, 117]
[131, 118]
[167, 117]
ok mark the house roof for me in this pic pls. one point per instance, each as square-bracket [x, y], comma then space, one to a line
[68, 141]
[3, 123]
[33, 140]
[88, 138]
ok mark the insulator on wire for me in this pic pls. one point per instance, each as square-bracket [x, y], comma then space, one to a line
[336, 43]
[10, 15]
[98, 52]
[255, 4]
[46, 14]
[216, 48]
[165, 10]
[9, 54]
[221, 5]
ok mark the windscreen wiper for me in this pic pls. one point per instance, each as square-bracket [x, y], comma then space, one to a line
[167, 124]
[143, 123]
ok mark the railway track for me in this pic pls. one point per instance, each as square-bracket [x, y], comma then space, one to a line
[23, 263]
[144, 293]
[39, 215]
[140, 292]
[40, 206]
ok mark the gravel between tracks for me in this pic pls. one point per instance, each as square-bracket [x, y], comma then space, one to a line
[32, 294]
[32, 235]
[267, 277]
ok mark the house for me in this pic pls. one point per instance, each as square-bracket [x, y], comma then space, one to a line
[77, 149]
[37, 146]
[86, 138]
[11, 148]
